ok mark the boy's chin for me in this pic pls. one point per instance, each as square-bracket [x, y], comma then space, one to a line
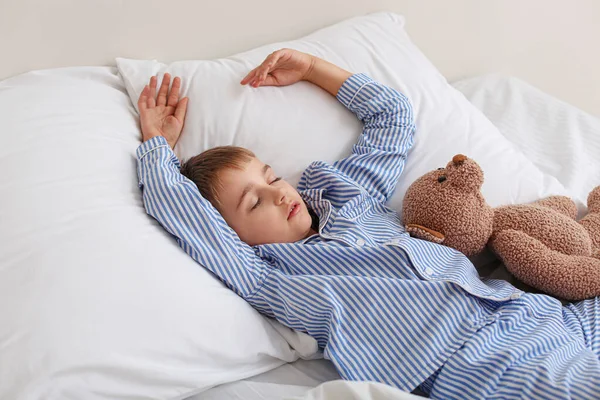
[306, 228]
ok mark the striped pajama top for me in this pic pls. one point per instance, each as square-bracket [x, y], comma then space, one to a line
[383, 306]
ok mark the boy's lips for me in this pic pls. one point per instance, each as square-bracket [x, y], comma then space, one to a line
[294, 209]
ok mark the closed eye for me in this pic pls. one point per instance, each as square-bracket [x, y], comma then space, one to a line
[259, 201]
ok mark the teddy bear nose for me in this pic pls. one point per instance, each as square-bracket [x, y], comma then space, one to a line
[458, 159]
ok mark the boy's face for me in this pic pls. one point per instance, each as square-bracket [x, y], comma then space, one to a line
[262, 208]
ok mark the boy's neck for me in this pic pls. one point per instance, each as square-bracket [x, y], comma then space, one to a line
[314, 227]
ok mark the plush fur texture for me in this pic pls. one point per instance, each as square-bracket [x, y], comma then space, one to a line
[540, 243]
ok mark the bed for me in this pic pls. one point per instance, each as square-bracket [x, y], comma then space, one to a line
[99, 302]
[514, 106]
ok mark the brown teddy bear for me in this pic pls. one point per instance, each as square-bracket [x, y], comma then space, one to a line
[540, 243]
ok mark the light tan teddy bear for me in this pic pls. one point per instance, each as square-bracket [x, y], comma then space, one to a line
[540, 243]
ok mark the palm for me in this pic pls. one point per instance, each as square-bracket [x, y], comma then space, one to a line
[164, 115]
[161, 119]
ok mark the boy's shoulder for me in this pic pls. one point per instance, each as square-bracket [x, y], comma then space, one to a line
[322, 175]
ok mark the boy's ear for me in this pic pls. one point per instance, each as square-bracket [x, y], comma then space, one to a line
[420, 232]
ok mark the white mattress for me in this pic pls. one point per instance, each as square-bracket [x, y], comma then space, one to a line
[561, 139]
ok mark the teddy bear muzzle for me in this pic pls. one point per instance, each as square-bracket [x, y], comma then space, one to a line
[424, 233]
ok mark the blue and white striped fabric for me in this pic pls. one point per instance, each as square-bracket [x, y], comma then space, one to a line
[383, 306]
[536, 350]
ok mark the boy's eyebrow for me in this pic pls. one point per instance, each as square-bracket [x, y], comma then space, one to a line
[249, 187]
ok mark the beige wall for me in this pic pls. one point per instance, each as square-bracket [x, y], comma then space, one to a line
[552, 44]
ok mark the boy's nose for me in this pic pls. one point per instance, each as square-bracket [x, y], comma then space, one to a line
[280, 197]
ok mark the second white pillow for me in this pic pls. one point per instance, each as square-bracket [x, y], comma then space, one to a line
[560, 139]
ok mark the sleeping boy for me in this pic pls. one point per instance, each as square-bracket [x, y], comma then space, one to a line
[332, 260]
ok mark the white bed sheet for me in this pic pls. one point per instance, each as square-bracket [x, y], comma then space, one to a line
[293, 379]
[306, 380]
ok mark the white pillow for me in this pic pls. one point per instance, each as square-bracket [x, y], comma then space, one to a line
[97, 301]
[562, 140]
[292, 126]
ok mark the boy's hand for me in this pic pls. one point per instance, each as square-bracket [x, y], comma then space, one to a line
[164, 115]
[282, 67]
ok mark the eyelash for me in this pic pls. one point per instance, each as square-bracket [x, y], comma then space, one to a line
[259, 199]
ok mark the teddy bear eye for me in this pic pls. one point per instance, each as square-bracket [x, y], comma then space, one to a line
[439, 169]
[441, 178]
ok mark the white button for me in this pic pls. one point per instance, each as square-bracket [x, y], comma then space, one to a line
[428, 271]
[515, 296]
[360, 242]
[395, 241]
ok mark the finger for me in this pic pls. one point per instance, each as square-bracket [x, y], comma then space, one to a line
[249, 77]
[264, 69]
[260, 79]
[270, 80]
[269, 64]
[164, 89]
[174, 93]
[143, 98]
[255, 73]
[152, 87]
[181, 109]
[255, 79]
[150, 102]
[252, 79]
[256, 82]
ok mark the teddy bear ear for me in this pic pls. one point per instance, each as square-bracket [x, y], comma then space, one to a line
[421, 232]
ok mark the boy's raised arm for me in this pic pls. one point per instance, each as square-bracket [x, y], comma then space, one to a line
[379, 155]
[175, 202]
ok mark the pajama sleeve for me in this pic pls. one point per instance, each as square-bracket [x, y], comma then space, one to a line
[176, 203]
[379, 155]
